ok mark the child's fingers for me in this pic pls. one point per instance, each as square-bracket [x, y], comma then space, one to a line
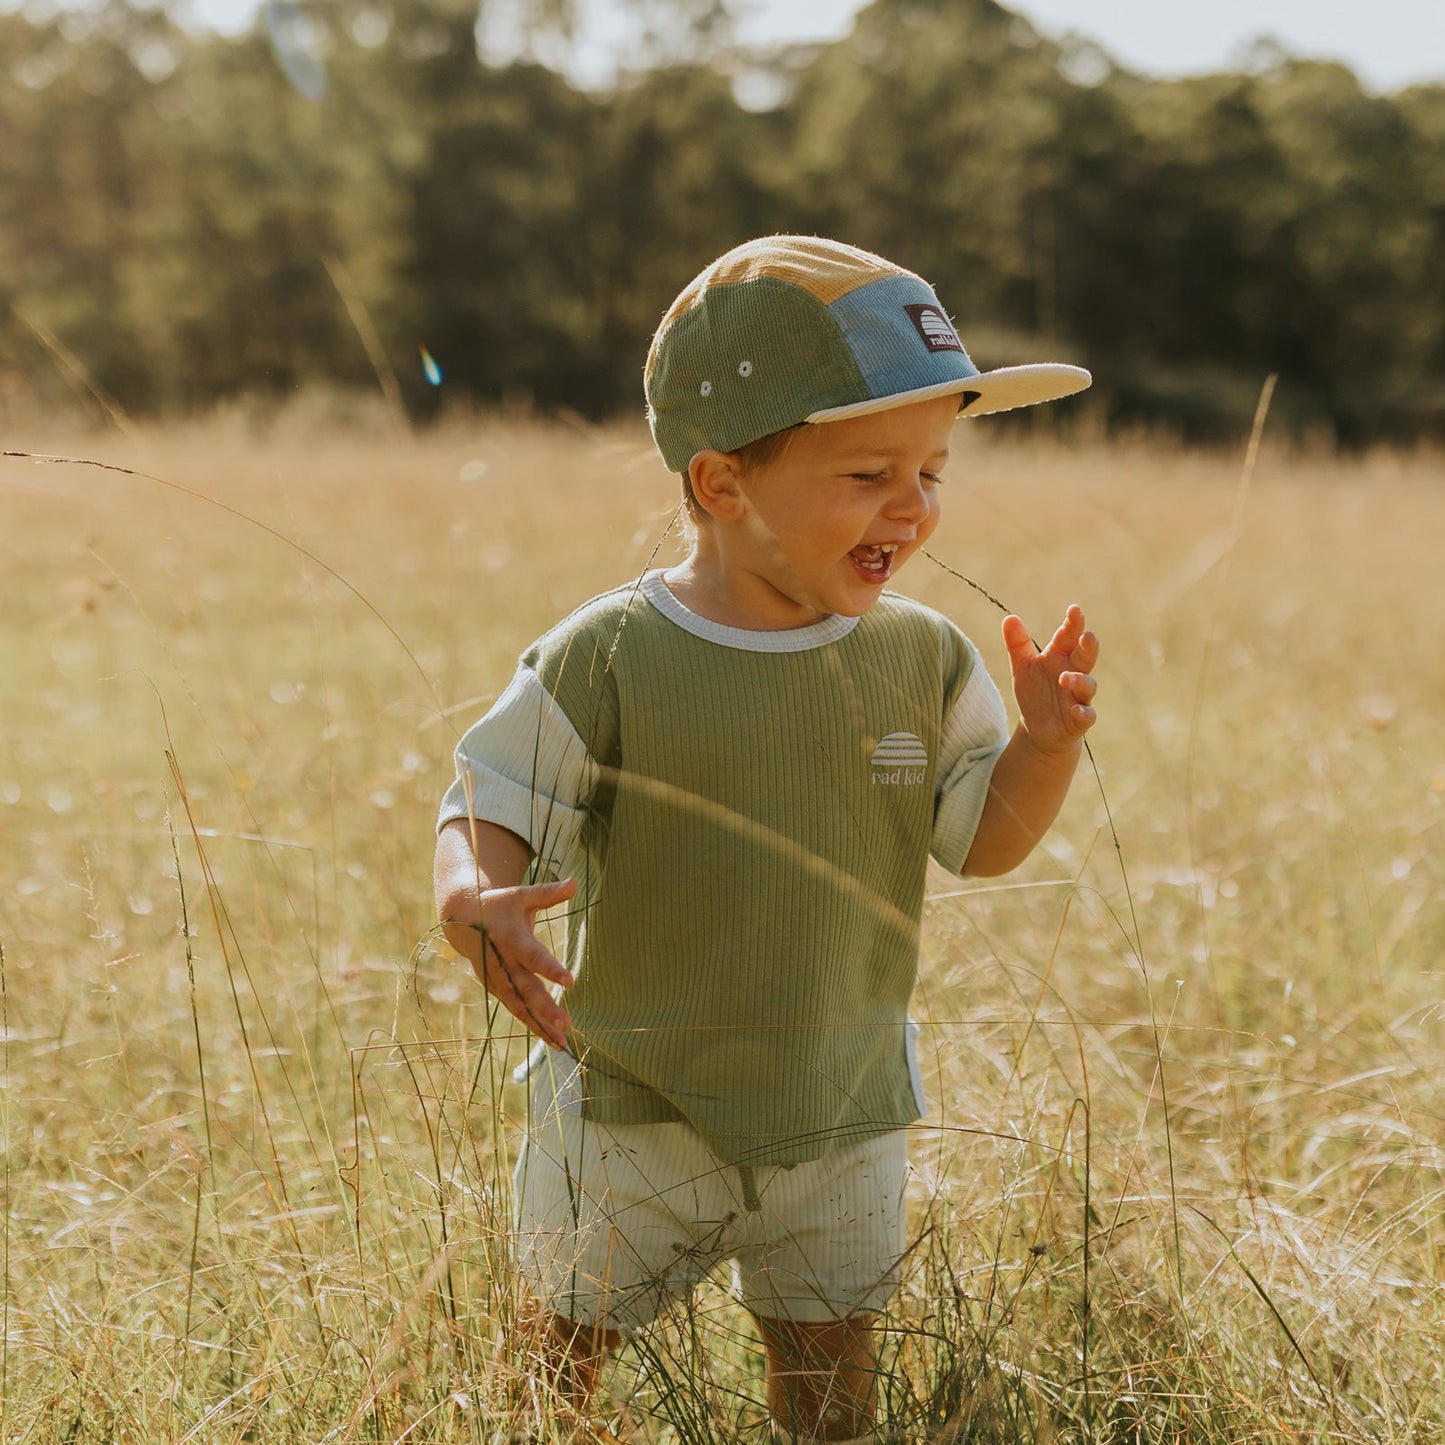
[1069, 632]
[542, 1015]
[534, 897]
[522, 955]
[514, 913]
[524, 997]
[1019, 642]
[1085, 653]
[513, 979]
[514, 964]
[1081, 684]
[539, 1021]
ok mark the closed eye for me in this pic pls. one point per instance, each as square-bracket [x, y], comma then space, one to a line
[874, 478]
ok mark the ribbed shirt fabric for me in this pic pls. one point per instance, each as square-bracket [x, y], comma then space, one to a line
[749, 816]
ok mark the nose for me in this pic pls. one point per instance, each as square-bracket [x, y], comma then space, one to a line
[911, 501]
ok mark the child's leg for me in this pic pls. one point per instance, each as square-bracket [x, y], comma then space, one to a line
[829, 1236]
[572, 1355]
[613, 1224]
[821, 1377]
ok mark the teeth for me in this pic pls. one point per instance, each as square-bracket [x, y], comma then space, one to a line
[876, 556]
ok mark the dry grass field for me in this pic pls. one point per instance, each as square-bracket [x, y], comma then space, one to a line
[1183, 1180]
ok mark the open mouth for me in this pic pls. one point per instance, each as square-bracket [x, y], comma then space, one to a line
[874, 562]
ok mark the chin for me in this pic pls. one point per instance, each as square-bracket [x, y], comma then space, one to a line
[856, 606]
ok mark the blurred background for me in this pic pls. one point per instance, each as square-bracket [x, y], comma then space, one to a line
[461, 206]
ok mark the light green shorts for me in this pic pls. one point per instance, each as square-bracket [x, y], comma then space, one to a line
[617, 1223]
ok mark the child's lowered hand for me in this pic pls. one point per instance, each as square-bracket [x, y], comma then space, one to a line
[1054, 688]
[513, 966]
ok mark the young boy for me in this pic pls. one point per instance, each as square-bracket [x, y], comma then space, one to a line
[735, 770]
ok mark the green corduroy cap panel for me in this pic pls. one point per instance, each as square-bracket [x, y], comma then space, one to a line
[750, 358]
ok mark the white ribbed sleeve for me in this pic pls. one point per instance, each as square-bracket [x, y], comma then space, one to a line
[524, 767]
[974, 734]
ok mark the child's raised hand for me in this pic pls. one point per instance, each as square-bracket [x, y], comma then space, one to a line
[1054, 688]
[513, 966]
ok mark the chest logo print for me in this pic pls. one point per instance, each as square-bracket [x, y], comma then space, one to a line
[900, 760]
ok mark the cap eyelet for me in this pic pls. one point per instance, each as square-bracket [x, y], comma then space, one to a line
[745, 368]
[705, 389]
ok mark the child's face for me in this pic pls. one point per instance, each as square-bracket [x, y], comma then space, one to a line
[843, 507]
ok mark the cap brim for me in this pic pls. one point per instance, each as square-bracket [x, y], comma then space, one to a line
[1004, 389]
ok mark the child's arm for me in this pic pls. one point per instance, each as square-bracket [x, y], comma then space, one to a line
[488, 915]
[1054, 691]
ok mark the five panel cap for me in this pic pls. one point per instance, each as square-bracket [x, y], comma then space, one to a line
[791, 329]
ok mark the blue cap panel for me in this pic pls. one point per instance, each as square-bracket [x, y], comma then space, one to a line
[900, 336]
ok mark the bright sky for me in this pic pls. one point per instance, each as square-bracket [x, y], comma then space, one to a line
[1389, 43]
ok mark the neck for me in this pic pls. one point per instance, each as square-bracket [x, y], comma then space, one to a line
[711, 583]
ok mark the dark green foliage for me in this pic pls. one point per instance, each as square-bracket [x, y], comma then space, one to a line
[169, 204]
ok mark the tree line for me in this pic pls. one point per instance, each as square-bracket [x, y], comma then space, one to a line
[349, 194]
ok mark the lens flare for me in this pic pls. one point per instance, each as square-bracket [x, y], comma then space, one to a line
[298, 41]
[430, 369]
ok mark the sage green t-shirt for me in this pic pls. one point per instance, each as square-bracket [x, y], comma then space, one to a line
[749, 816]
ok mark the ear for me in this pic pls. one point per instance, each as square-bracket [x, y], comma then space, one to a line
[717, 485]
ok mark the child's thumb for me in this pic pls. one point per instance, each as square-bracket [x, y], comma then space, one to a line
[1017, 639]
[547, 895]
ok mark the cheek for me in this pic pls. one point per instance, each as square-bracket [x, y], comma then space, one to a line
[935, 511]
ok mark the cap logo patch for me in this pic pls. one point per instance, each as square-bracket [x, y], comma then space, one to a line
[934, 327]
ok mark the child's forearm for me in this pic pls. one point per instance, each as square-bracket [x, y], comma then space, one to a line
[472, 856]
[1025, 794]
